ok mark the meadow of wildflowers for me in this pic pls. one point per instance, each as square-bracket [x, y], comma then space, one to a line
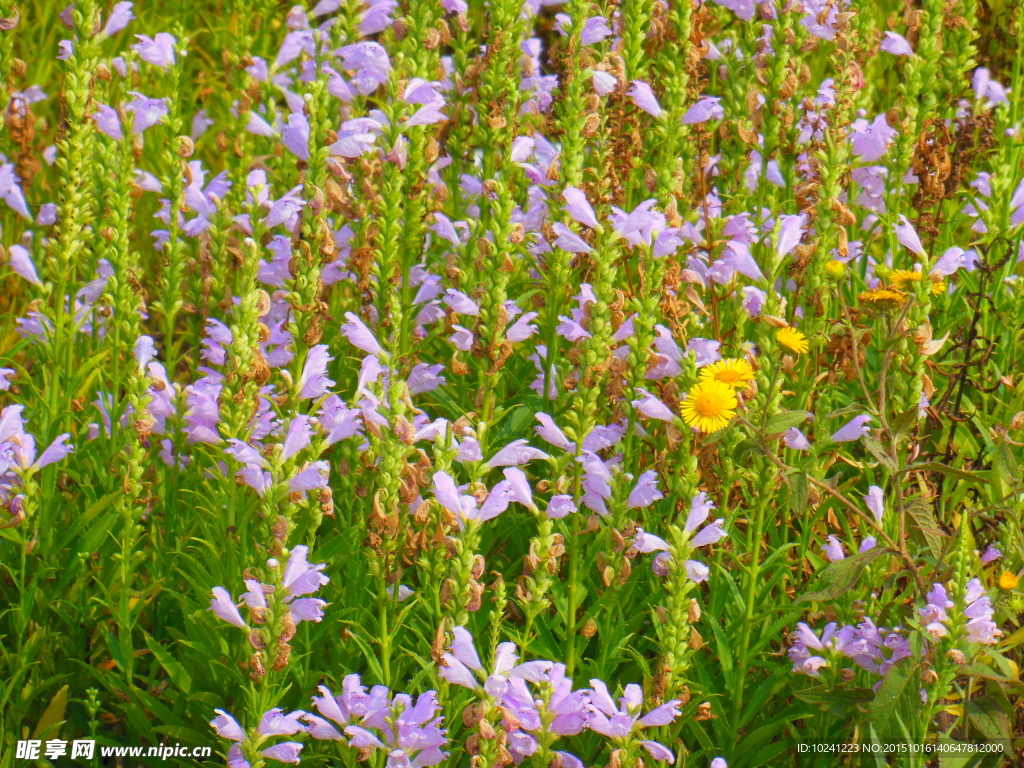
[488, 382]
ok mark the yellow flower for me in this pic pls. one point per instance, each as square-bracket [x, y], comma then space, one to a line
[883, 298]
[792, 338]
[938, 287]
[836, 269]
[902, 278]
[735, 373]
[1008, 580]
[709, 405]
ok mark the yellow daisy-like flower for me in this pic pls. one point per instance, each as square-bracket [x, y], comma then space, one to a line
[883, 298]
[735, 373]
[793, 339]
[901, 279]
[709, 405]
[1008, 580]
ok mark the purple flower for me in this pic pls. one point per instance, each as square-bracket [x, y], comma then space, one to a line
[21, 262]
[425, 378]
[550, 432]
[595, 29]
[521, 329]
[952, 260]
[301, 577]
[448, 496]
[907, 236]
[295, 135]
[560, 506]
[361, 337]
[275, 723]
[651, 407]
[313, 383]
[158, 51]
[897, 45]
[870, 140]
[833, 550]
[285, 752]
[618, 722]
[461, 303]
[596, 483]
[979, 612]
[120, 16]
[377, 17]
[795, 439]
[790, 233]
[753, 300]
[603, 82]
[108, 122]
[515, 453]
[875, 501]
[370, 62]
[224, 607]
[705, 351]
[225, 725]
[854, 429]
[514, 487]
[736, 258]
[935, 613]
[147, 111]
[644, 97]
[990, 555]
[568, 240]
[579, 207]
[706, 108]
[313, 476]
[645, 492]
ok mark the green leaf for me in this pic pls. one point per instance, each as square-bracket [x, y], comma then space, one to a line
[942, 469]
[780, 422]
[876, 449]
[839, 702]
[920, 512]
[53, 716]
[985, 715]
[798, 492]
[897, 680]
[841, 575]
[177, 673]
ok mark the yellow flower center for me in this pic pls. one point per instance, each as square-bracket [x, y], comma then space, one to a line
[708, 404]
